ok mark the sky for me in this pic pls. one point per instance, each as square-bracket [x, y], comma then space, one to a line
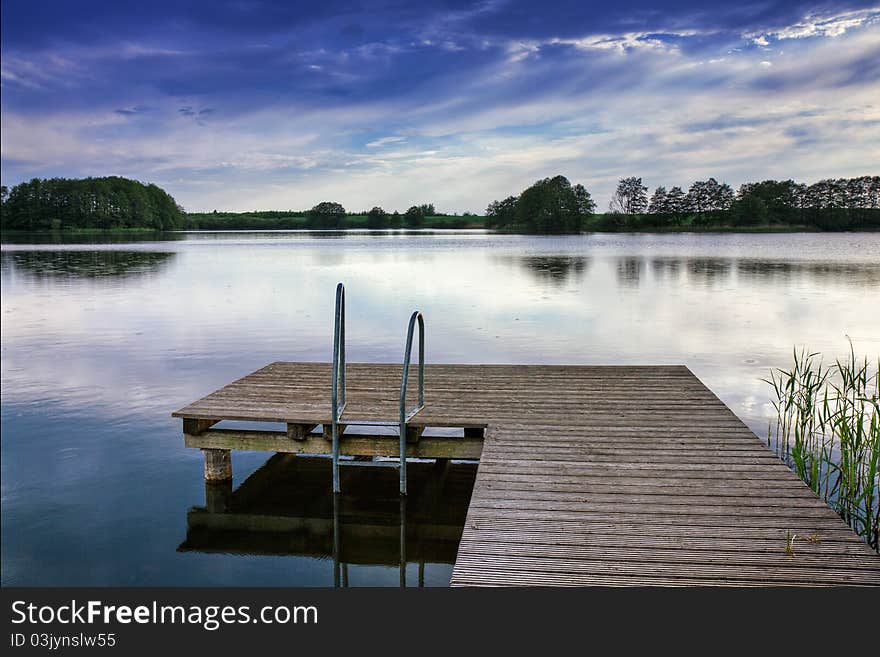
[248, 104]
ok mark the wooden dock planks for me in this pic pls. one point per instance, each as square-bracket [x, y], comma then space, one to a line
[590, 475]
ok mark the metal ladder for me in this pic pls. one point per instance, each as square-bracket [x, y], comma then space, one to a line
[340, 567]
[337, 396]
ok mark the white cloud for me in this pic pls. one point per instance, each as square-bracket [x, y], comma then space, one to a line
[517, 51]
[384, 141]
[130, 50]
[816, 25]
[258, 161]
[627, 41]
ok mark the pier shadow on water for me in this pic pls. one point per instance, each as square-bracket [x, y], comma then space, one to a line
[287, 508]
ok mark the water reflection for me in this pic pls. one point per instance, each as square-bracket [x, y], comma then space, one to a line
[781, 271]
[90, 237]
[556, 270]
[285, 508]
[666, 268]
[325, 234]
[629, 271]
[41, 265]
[297, 234]
[707, 271]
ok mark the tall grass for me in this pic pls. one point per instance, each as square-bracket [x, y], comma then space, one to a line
[828, 431]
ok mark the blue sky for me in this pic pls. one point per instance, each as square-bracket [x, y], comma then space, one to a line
[253, 104]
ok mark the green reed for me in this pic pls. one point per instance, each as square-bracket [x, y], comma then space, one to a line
[828, 431]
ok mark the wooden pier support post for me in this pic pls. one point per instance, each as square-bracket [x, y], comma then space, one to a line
[217, 495]
[218, 465]
[327, 431]
[299, 431]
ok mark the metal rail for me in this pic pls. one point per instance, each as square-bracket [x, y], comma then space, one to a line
[337, 400]
[337, 397]
[406, 416]
[340, 567]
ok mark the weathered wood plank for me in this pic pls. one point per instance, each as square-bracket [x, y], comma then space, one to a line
[742, 546]
[640, 528]
[656, 556]
[492, 575]
[350, 445]
[771, 573]
[648, 500]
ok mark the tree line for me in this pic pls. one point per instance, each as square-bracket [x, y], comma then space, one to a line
[554, 205]
[830, 204]
[550, 205]
[329, 215]
[114, 202]
[106, 203]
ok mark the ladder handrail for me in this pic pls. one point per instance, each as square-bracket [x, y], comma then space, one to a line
[405, 415]
[337, 400]
[337, 396]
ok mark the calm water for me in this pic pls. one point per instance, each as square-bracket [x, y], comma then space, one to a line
[100, 342]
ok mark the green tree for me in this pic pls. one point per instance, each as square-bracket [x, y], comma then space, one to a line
[697, 199]
[110, 202]
[749, 210]
[782, 200]
[585, 203]
[659, 203]
[549, 206]
[722, 197]
[413, 217]
[675, 204]
[377, 218]
[501, 214]
[327, 215]
[630, 197]
[709, 198]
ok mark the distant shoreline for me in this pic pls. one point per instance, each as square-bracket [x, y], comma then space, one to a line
[144, 232]
[272, 220]
[551, 206]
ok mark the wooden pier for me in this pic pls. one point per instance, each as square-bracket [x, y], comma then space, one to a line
[588, 475]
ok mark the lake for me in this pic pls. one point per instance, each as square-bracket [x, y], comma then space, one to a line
[102, 341]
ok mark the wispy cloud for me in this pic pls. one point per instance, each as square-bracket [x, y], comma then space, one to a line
[666, 41]
[384, 141]
[820, 25]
